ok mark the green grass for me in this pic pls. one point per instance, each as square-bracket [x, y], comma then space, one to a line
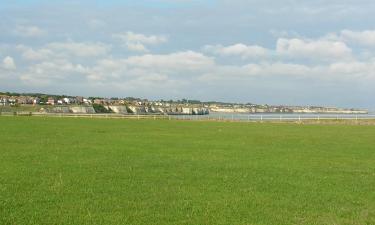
[97, 171]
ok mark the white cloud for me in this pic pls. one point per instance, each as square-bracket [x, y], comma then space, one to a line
[96, 23]
[138, 42]
[257, 70]
[80, 49]
[64, 50]
[187, 61]
[180, 64]
[366, 37]
[29, 31]
[332, 73]
[141, 38]
[137, 47]
[354, 70]
[314, 49]
[108, 69]
[66, 63]
[35, 55]
[283, 69]
[245, 51]
[9, 64]
[57, 71]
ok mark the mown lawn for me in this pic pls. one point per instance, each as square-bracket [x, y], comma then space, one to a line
[98, 171]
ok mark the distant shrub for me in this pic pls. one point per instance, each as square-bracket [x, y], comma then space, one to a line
[100, 109]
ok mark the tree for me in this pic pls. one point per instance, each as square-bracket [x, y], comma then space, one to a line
[101, 109]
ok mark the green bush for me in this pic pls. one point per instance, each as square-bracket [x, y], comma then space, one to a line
[100, 109]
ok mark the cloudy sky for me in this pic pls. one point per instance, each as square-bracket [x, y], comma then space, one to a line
[296, 52]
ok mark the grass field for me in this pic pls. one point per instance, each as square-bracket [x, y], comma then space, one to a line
[98, 171]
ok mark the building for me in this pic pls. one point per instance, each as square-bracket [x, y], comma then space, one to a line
[22, 100]
[187, 111]
[87, 101]
[66, 101]
[79, 100]
[12, 101]
[3, 100]
[36, 101]
[51, 101]
[99, 101]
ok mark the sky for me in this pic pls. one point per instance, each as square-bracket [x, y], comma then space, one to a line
[280, 52]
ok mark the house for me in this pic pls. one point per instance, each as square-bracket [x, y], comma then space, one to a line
[87, 101]
[99, 101]
[72, 101]
[12, 101]
[35, 100]
[187, 111]
[22, 100]
[66, 101]
[51, 101]
[109, 101]
[3, 100]
[79, 99]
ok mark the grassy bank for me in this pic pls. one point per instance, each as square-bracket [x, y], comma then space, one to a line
[25, 108]
[93, 171]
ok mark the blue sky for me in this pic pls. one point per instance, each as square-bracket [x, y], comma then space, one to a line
[276, 52]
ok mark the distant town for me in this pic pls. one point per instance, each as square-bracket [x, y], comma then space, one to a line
[46, 103]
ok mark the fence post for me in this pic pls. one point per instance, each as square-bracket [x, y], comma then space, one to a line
[281, 118]
[299, 118]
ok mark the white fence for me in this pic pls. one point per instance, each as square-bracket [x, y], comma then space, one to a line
[278, 117]
[216, 117]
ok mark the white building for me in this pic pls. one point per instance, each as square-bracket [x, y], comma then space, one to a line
[66, 100]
